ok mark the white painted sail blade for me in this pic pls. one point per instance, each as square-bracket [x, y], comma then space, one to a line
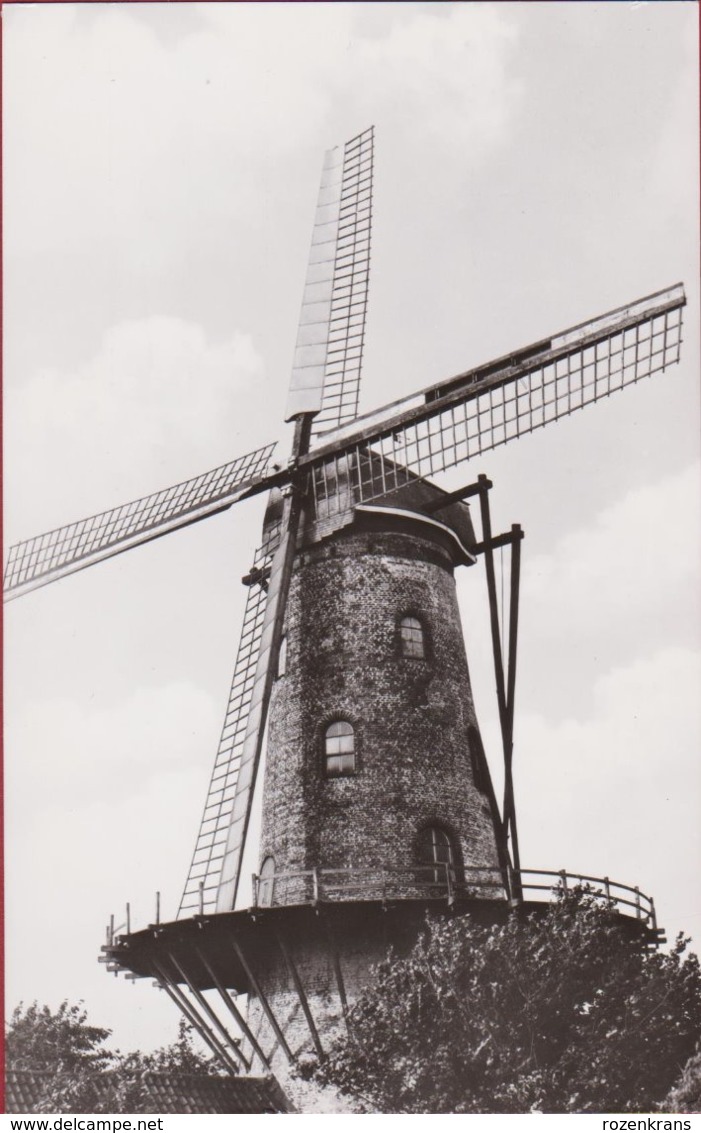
[444, 425]
[200, 893]
[45, 558]
[349, 301]
[328, 356]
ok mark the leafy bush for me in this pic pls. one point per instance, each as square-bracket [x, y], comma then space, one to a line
[685, 1095]
[567, 1011]
[78, 1073]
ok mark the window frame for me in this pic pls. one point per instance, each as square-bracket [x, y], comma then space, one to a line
[338, 721]
[438, 866]
[404, 641]
[266, 884]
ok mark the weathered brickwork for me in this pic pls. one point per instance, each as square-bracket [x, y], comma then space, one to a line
[411, 716]
[414, 721]
[358, 940]
[348, 938]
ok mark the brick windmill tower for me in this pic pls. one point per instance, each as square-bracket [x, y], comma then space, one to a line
[378, 804]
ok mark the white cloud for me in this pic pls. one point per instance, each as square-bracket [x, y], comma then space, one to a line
[608, 724]
[608, 593]
[133, 160]
[78, 754]
[447, 77]
[623, 782]
[132, 118]
[639, 555]
[673, 168]
[102, 808]
[153, 406]
[164, 146]
[72, 868]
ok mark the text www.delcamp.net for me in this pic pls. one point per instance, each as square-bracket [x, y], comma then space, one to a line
[87, 1124]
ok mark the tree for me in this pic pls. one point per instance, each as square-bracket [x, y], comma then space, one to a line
[41, 1039]
[182, 1057]
[78, 1073]
[64, 1050]
[566, 1011]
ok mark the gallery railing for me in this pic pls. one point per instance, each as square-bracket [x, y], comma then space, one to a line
[435, 882]
[315, 886]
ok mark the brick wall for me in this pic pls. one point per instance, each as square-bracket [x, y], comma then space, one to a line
[358, 936]
[414, 767]
[411, 716]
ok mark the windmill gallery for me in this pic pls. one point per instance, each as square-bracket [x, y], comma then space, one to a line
[378, 803]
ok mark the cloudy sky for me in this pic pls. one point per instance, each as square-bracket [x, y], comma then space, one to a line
[536, 165]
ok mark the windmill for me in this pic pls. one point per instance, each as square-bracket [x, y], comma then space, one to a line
[354, 490]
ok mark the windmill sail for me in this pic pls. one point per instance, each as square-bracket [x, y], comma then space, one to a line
[486, 407]
[435, 429]
[205, 868]
[65, 550]
[271, 633]
[356, 460]
[325, 381]
[328, 356]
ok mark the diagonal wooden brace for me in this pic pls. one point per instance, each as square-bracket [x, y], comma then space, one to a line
[505, 680]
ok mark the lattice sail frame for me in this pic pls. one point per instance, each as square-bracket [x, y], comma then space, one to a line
[450, 423]
[351, 277]
[359, 460]
[327, 367]
[488, 406]
[200, 893]
[325, 377]
[65, 550]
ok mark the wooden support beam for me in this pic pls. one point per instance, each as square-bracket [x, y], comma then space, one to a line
[208, 1010]
[228, 1001]
[262, 687]
[304, 1002]
[336, 961]
[277, 1030]
[505, 540]
[493, 605]
[497, 819]
[514, 537]
[191, 1015]
[509, 802]
[458, 496]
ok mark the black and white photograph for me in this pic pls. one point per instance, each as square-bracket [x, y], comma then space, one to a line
[352, 615]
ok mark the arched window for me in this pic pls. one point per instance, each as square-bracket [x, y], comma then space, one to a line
[339, 749]
[282, 657]
[411, 636]
[435, 848]
[266, 882]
